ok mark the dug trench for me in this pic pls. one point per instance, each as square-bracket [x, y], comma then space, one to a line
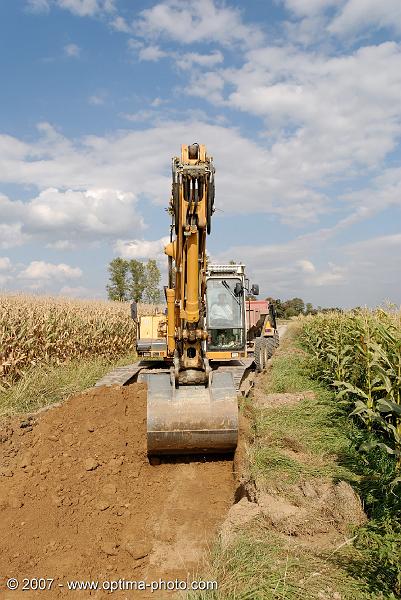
[79, 499]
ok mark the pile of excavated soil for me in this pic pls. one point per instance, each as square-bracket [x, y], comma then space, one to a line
[80, 501]
[317, 511]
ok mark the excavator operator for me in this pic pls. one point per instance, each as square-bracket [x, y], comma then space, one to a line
[221, 310]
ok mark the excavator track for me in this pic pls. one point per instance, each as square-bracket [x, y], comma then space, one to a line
[120, 375]
[130, 373]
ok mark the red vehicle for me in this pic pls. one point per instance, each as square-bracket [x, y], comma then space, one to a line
[262, 334]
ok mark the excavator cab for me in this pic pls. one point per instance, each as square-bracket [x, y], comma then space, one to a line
[225, 312]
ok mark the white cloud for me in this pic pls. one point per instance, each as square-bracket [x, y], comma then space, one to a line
[151, 53]
[61, 245]
[87, 8]
[190, 21]
[358, 15]
[5, 263]
[189, 59]
[40, 271]
[307, 266]
[141, 248]
[120, 24]
[141, 116]
[326, 118]
[11, 235]
[96, 100]
[250, 177]
[73, 214]
[315, 20]
[157, 102]
[79, 291]
[98, 211]
[72, 50]
[82, 8]
[358, 273]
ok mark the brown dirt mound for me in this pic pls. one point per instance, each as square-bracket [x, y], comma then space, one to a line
[79, 499]
[316, 510]
[316, 507]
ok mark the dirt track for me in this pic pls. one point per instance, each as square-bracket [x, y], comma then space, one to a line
[79, 499]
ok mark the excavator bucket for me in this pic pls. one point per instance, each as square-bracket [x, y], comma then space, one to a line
[192, 418]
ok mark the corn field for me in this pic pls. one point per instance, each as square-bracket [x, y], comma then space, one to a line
[359, 353]
[38, 330]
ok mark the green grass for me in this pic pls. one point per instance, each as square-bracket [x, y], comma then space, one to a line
[293, 442]
[312, 428]
[262, 566]
[46, 385]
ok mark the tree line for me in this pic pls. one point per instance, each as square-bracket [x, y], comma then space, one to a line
[296, 306]
[134, 280]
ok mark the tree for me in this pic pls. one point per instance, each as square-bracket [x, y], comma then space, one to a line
[133, 280]
[117, 289]
[137, 283]
[293, 307]
[309, 310]
[152, 282]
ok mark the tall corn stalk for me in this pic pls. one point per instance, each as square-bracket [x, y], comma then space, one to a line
[360, 354]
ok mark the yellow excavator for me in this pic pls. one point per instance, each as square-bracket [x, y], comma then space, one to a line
[194, 355]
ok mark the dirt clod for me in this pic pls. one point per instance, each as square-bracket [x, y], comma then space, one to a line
[91, 464]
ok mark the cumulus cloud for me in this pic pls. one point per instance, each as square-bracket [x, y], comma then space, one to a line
[79, 291]
[11, 235]
[191, 59]
[74, 214]
[120, 24]
[317, 20]
[324, 116]
[357, 15]
[61, 245]
[151, 53]
[42, 271]
[81, 8]
[251, 177]
[141, 248]
[41, 275]
[356, 273]
[87, 8]
[307, 266]
[5, 263]
[190, 21]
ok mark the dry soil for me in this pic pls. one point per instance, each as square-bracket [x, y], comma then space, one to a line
[79, 499]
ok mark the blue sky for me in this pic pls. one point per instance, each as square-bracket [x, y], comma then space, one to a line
[297, 100]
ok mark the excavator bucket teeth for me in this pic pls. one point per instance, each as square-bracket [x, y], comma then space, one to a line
[192, 418]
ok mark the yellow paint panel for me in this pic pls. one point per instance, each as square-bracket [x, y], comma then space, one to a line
[219, 355]
[149, 326]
